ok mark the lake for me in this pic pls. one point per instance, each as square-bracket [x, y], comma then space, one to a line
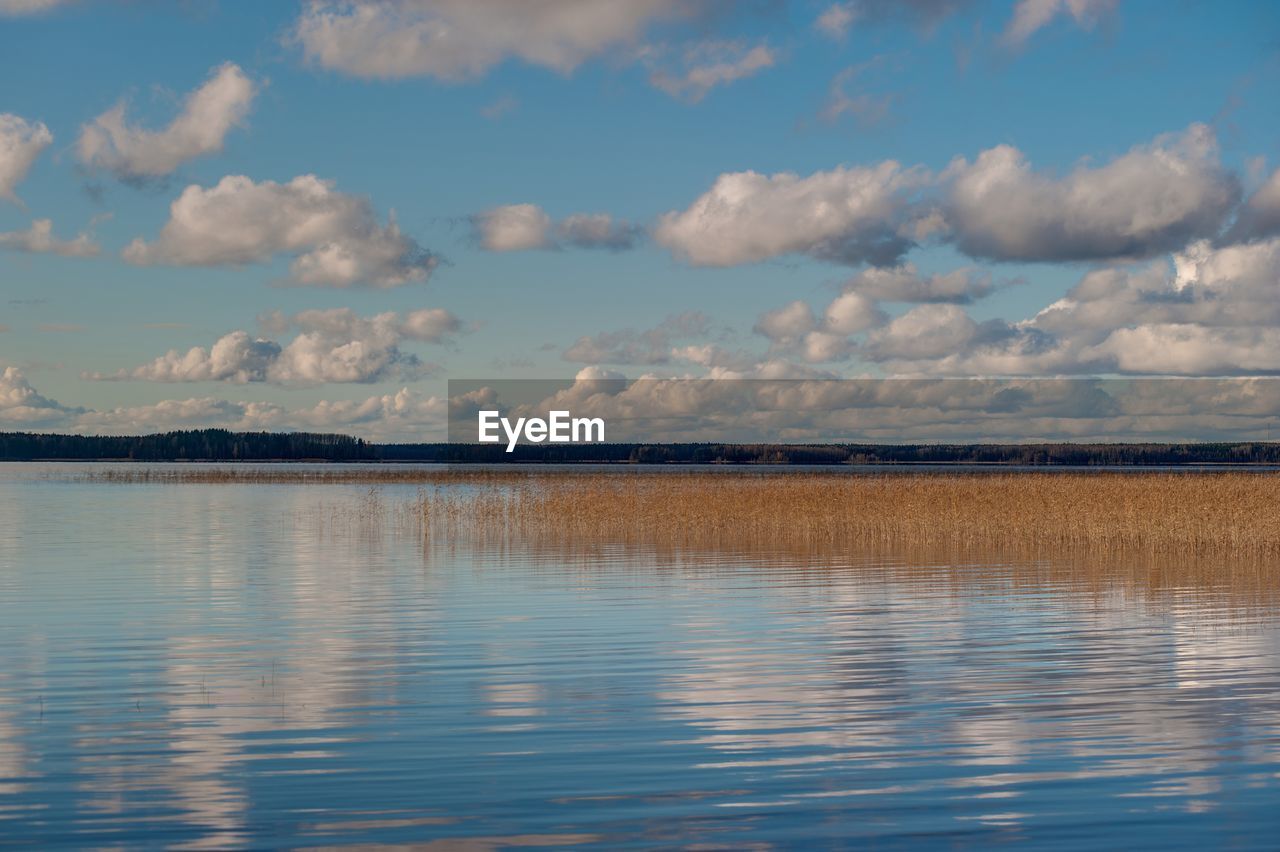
[280, 665]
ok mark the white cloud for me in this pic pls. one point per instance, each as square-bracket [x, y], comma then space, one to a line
[513, 227]
[925, 331]
[705, 65]
[208, 114]
[524, 227]
[628, 346]
[405, 415]
[235, 357]
[793, 330]
[849, 215]
[787, 324]
[1187, 349]
[1155, 198]
[852, 313]
[332, 346]
[40, 239]
[335, 238]
[22, 407]
[1211, 312]
[1260, 215]
[712, 357]
[819, 347]
[905, 284]
[21, 141]
[1030, 16]
[458, 39]
[810, 406]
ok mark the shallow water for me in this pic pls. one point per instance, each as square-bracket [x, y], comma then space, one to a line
[286, 665]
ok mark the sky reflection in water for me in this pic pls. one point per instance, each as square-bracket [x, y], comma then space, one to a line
[272, 665]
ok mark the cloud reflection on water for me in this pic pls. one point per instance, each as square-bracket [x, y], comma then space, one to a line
[238, 665]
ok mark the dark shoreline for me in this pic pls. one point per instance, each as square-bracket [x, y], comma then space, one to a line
[216, 445]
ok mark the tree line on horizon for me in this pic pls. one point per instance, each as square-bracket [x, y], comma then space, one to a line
[207, 445]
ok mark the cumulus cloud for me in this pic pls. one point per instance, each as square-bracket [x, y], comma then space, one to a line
[1192, 350]
[925, 331]
[795, 330]
[1260, 216]
[459, 39]
[40, 239]
[1210, 312]
[852, 313]
[853, 323]
[513, 227]
[405, 415]
[335, 238]
[22, 407]
[21, 141]
[651, 346]
[801, 407]
[332, 346]
[1155, 198]
[905, 283]
[705, 65]
[788, 323]
[713, 357]
[1031, 16]
[208, 114]
[848, 215]
[524, 227]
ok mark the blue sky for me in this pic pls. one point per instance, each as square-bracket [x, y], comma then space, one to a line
[1138, 178]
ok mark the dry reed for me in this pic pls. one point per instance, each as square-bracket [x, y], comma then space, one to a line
[1223, 513]
[1158, 531]
[1165, 512]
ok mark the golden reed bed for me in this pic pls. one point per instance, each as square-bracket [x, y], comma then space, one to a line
[1156, 532]
[1164, 529]
[1229, 512]
[1236, 513]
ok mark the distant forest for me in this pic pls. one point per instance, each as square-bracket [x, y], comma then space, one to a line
[197, 445]
[221, 445]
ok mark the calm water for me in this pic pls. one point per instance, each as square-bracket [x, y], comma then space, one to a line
[284, 665]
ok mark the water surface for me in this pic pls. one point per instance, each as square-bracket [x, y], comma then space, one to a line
[252, 665]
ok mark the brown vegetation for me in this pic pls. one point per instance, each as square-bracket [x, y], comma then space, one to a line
[1156, 531]
[1232, 513]
[1160, 530]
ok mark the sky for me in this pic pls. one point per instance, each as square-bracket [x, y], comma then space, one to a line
[313, 215]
